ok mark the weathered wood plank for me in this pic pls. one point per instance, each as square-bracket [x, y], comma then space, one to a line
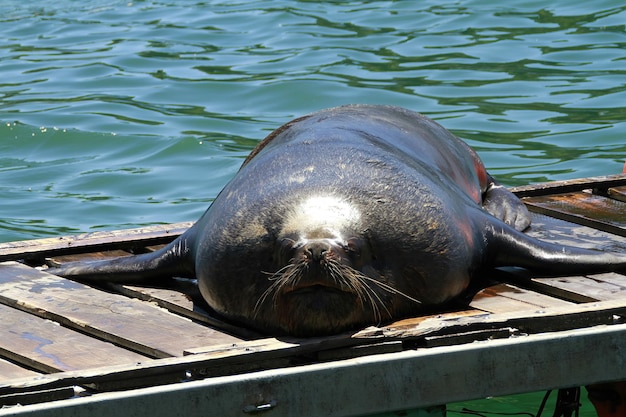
[360, 351]
[172, 300]
[587, 209]
[505, 298]
[549, 319]
[181, 302]
[117, 239]
[550, 287]
[9, 370]
[587, 286]
[44, 345]
[130, 323]
[451, 316]
[618, 280]
[618, 193]
[573, 185]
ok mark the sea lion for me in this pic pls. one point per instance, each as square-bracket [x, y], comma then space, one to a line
[349, 217]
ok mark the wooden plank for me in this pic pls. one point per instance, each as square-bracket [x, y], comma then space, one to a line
[551, 287]
[117, 239]
[469, 337]
[618, 193]
[178, 298]
[44, 345]
[181, 301]
[582, 208]
[573, 185]
[172, 300]
[9, 370]
[154, 248]
[360, 351]
[593, 289]
[130, 323]
[451, 316]
[549, 319]
[505, 298]
[618, 280]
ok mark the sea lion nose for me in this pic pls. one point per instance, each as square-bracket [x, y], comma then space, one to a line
[315, 250]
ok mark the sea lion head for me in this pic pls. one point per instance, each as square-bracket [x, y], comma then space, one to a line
[327, 277]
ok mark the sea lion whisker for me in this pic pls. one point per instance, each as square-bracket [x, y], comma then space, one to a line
[336, 274]
[365, 292]
[391, 289]
[284, 276]
[354, 280]
[373, 297]
[263, 298]
[275, 275]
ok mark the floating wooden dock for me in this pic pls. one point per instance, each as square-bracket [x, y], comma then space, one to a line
[69, 349]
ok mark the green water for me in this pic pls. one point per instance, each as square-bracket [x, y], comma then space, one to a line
[115, 114]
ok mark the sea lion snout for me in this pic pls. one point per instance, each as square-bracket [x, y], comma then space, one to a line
[309, 251]
[320, 262]
[316, 250]
[314, 255]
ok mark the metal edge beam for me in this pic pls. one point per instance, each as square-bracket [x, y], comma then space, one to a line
[377, 383]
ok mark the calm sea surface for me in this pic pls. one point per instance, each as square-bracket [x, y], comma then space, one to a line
[116, 114]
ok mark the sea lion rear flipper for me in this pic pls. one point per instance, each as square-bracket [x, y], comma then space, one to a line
[506, 246]
[504, 205]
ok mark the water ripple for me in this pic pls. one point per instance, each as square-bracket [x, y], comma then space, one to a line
[158, 101]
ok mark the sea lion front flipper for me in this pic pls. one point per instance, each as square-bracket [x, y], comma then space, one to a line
[503, 204]
[169, 261]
